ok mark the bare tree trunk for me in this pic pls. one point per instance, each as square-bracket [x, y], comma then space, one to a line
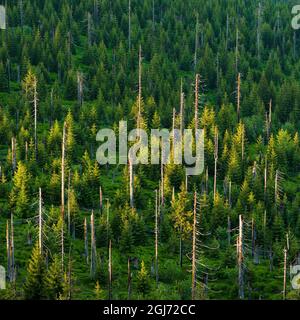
[35, 102]
[63, 174]
[194, 275]
[181, 108]
[162, 189]
[100, 200]
[131, 183]
[93, 248]
[40, 223]
[284, 273]
[140, 90]
[13, 154]
[8, 248]
[241, 259]
[110, 272]
[80, 88]
[129, 277]
[69, 204]
[216, 160]
[196, 100]
[12, 251]
[228, 230]
[62, 247]
[238, 96]
[156, 237]
[86, 244]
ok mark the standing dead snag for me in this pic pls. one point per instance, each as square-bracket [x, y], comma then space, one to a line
[238, 96]
[216, 151]
[240, 255]
[40, 223]
[12, 251]
[194, 276]
[156, 237]
[93, 247]
[100, 200]
[63, 173]
[86, 242]
[237, 50]
[110, 271]
[140, 90]
[131, 183]
[196, 100]
[181, 108]
[13, 154]
[80, 88]
[284, 272]
[8, 247]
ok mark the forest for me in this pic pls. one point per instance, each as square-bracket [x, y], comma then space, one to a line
[72, 229]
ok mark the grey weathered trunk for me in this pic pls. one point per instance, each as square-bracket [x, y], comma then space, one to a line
[40, 223]
[284, 272]
[240, 259]
[8, 248]
[131, 183]
[63, 174]
[156, 237]
[110, 271]
[93, 248]
[86, 242]
[216, 151]
[194, 271]
[12, 250]
[13, 154]
[238, 96]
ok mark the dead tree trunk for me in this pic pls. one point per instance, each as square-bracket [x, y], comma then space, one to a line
[284, 273]
[8, 248]
[63, 174]
[131, 184]
[86, 242]
[80, 88]
[216, 160]
[35, 103]
[110, 271]
[12, 251]
[129, 277]
[238, 96]
[40, 223]
[156, 237]
[181, 108]
[194, 275]
[100, 200]
[228, 230]
[140, 90]
[162, 189]
[13, 154]
[93, 248]
[69, 204]
[196, 100]
[240, 259]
